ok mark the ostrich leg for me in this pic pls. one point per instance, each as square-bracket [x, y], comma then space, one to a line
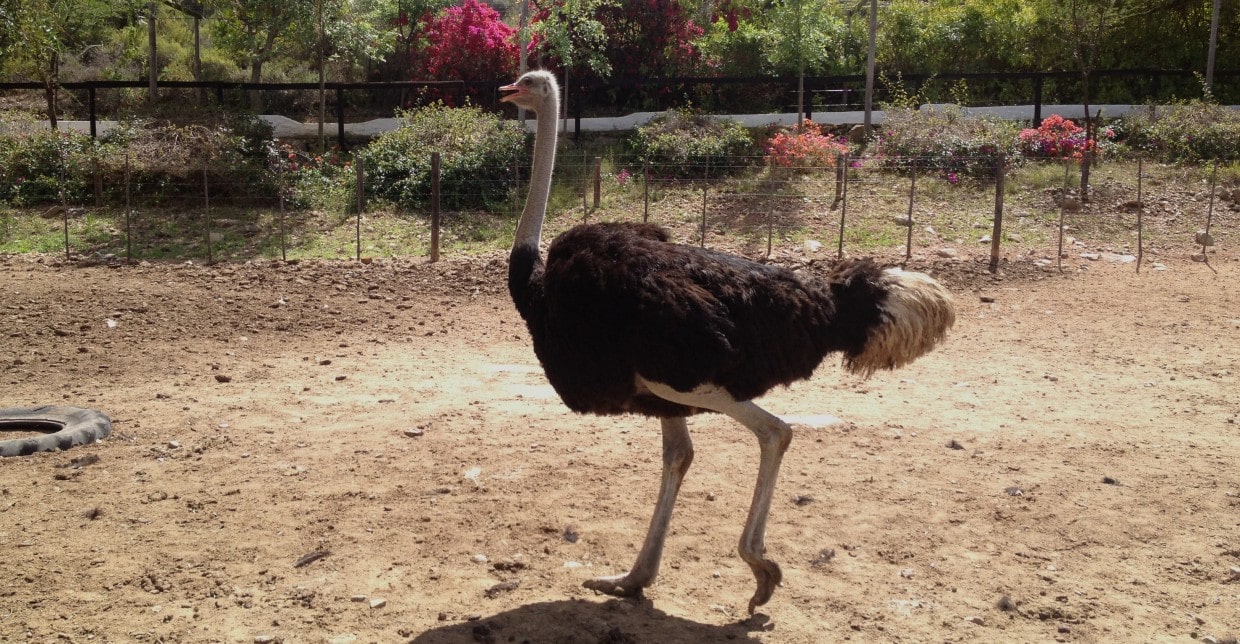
[677, 456]
[774, 436]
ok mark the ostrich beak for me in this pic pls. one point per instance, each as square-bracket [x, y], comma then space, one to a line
[511, 88]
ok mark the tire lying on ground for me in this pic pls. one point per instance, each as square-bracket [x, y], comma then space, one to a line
[68, 426]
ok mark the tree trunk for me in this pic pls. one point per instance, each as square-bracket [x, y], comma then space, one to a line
[50, 86]
[256, 96]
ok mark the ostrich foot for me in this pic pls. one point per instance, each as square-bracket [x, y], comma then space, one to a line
[769, 576]
[616, 585]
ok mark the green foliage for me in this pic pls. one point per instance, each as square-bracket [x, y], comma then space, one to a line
[44, 166]
[948, 139]
[1189, 132]
[37, 164]
[477, 154]
[685, 145]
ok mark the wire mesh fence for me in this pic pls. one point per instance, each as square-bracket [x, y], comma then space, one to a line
[306, 206]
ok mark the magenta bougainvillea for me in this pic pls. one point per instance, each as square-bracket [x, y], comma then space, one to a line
[468, 42]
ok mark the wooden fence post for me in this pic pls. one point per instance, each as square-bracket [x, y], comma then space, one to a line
[1062, 198]
[996, 234]
[912, 190]
[435, 216]
[703, 240]
[206, 212]
[283, 237]
[128, 214]
[645, 190]
[1140, 218]
[598, 181]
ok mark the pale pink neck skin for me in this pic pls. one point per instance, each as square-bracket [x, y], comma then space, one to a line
[529, 228]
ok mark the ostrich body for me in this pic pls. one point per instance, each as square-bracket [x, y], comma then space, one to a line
[624, 321]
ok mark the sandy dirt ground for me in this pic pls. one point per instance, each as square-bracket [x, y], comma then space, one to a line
[342, 452]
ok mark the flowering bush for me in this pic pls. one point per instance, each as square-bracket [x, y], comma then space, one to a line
[468, 42]
[805, 150]
[1060, 138]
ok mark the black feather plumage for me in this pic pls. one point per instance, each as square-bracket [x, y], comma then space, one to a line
[616, 301]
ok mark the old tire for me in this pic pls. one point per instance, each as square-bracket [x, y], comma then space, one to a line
[68, 426]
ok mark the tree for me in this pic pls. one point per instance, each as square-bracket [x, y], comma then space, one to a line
[254, 31]
[346, 32]
[38, 35]
[570, 32]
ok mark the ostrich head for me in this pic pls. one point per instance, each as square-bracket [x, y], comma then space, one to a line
[533, 91]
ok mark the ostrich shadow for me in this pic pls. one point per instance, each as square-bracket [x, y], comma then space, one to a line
[580, 621]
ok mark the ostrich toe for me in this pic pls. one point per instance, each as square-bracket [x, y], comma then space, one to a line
[616, 586]
[769, 576]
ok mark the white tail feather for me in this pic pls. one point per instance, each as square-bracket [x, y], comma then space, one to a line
[915, 317]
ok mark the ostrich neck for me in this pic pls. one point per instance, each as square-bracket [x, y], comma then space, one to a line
[529, 229]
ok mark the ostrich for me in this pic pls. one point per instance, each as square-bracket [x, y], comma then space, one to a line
[624, 321]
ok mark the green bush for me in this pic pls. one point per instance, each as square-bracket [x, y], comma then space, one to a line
[477, 154]
[1190, 132]
[684, 145]
[948, 140]
[40, 166]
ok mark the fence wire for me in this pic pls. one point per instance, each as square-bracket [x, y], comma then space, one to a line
[739, 203]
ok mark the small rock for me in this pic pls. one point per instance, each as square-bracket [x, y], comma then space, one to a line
[378, 602]
[902, 221]
[1110, 481]
[264, 639]
[978, 619]
[358, 598]
[174, 445]
[1070, 204]
[1093, 257]
[1203, 238]
[479, 559]
[812, 246]
[219, 377]
[947, 253]
[340, 378]
[988, 299]
[907, 573]
[984, 239]
[954, 444]
[414, 432]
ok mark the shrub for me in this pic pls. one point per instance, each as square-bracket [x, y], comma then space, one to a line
[477, 153]
[167, 160]
[1060, 138]
[947, 140]
[1190, 132]
[684, 145]
[37, 165]
[324, 181]
[806, 150]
